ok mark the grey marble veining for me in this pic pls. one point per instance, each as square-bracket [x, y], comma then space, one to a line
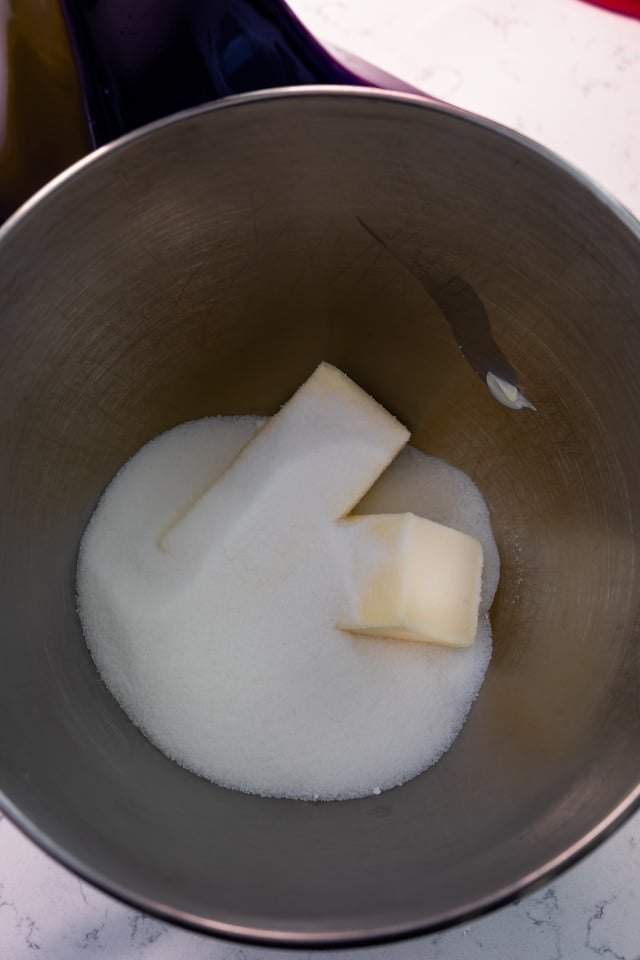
[567, 74]
[592, 910]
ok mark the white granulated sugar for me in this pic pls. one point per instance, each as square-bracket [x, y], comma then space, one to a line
[233, 666]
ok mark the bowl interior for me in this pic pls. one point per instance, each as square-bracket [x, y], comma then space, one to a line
[206, 267]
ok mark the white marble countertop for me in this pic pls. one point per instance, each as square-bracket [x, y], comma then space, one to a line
[566, 74]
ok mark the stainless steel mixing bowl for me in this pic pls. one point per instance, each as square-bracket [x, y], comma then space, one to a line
[205, 265]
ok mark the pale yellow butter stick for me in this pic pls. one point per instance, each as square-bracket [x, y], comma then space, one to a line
[321, 452]
[404, 577]
[411, 579]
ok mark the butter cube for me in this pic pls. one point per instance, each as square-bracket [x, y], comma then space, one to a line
[411, 579]
[320, 453]
[404, 577]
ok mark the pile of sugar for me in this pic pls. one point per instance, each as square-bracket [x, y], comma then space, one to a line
[234, 667]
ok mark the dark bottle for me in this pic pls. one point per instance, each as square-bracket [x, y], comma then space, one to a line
[139, 60]
[84, 72]
[43, 125]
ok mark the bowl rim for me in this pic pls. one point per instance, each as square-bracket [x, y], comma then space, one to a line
[391, 932]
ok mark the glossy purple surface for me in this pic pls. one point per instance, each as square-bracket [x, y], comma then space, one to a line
[140, 60]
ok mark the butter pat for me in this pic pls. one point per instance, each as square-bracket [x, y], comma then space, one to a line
[411, 579]
[294, 482]
[318, 455]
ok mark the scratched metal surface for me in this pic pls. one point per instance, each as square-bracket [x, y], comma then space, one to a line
[168, 279]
